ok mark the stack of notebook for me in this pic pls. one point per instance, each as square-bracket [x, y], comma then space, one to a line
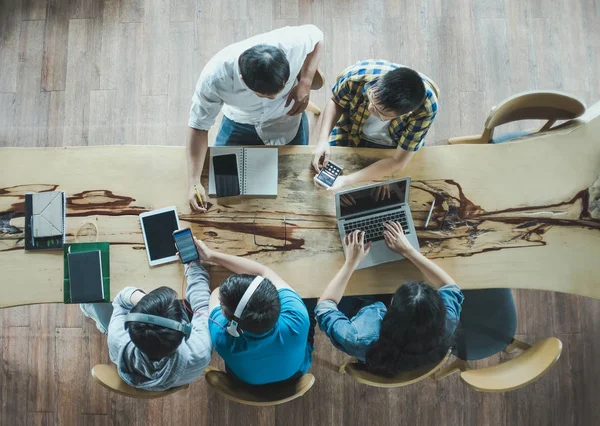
[87, 273]
[45, 214]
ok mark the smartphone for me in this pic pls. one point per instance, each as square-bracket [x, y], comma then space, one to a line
[329, 174]
[227, 180]
[185, 245]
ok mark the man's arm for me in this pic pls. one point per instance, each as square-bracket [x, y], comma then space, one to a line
[300, 94]
[330, 116]
[206, 104]
[196, 155]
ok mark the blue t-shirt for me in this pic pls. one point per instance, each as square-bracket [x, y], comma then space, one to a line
[276, 355]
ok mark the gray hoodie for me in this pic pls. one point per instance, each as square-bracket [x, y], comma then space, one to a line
[191, 357]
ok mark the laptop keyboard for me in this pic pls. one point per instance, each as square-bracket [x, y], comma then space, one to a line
[373, 227]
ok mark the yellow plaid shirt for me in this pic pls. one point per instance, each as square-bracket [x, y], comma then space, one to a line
[349, 92]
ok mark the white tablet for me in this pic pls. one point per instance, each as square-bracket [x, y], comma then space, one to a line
[157, 228]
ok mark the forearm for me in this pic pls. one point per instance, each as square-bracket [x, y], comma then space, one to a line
[335, 289]
[330, 116]
[311, 64]
[378, 170]
[196, 154]
[435, 275]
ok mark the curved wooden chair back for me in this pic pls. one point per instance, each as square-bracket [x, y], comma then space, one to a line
[361, 375]
[534, 105]
[107, 376]
[260, 396]
[518, 372]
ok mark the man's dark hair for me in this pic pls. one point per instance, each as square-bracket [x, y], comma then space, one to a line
[261, 312]
[157, 341]
[413, 331]
[264, 69]
[400, 90]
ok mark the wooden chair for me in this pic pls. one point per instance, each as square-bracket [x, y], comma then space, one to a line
[361, 375]
[107, 376]
[260, 396]
[317, 83]
[534, 105]
[487, 326]
[511, 375]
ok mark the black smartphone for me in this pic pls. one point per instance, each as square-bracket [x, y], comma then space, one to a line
[185, 245]
[329, 174]
[227, 180]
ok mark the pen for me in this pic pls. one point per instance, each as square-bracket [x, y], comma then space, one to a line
[199, 196]
[430, 211]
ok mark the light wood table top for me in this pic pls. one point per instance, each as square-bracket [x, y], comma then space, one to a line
[524, 214]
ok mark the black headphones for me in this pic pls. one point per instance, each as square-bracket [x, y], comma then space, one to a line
[234, 328]
[183, 326]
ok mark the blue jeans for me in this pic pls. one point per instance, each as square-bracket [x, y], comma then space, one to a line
[99, 312]
[237, 134]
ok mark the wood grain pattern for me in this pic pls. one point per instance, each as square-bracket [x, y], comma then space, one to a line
[484, 217]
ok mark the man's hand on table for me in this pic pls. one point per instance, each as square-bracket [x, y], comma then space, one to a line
[193, 199]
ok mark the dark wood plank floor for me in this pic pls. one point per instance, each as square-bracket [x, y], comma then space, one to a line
[92, 72]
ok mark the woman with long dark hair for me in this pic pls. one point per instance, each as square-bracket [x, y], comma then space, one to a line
[414, 330]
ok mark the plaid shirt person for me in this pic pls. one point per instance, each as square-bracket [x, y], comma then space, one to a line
[349, 92]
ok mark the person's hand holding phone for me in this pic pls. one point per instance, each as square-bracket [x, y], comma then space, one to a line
[203, 250]
[395, 238]
[321, 155]
[355, 248]
[339, 183]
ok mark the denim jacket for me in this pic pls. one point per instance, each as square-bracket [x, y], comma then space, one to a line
[355, 336]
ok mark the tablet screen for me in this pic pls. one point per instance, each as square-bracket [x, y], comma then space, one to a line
[159, 234]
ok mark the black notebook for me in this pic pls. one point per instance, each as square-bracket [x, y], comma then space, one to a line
[85, 273]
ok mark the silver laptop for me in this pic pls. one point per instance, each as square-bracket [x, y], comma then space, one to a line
[367, 208]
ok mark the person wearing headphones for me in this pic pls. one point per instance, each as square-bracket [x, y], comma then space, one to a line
[258, 324]
[150, 337]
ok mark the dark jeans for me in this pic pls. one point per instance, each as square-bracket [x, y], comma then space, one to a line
[237, 134]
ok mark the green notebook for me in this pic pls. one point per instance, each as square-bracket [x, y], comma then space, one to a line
[83, 247]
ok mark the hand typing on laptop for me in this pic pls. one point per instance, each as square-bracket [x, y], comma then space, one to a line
[395, 239]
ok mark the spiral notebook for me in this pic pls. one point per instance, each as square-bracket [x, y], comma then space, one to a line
[257, 170]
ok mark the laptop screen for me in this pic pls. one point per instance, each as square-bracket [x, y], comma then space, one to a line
[373, 198]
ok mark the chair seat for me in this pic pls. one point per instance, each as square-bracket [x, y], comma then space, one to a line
[518, 372]
[258, 395]
[108, 376]
[488, 323]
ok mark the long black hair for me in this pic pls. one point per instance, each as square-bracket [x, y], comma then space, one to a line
[413, 331]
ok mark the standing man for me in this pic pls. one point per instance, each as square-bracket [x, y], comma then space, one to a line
[377, 104]
[262, 85]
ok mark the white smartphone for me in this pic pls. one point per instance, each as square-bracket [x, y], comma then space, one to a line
[329, 174]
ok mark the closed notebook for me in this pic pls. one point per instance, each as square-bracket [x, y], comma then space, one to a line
[257, 170]
[85, 274]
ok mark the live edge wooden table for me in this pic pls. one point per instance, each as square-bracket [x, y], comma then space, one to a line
[524, 214]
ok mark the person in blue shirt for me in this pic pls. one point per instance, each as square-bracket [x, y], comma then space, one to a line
[416, 328]
[275, 341]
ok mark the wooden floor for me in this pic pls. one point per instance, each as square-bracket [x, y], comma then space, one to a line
[91, 72]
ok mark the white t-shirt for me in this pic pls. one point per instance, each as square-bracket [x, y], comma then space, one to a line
[220, 85]
[376, 131]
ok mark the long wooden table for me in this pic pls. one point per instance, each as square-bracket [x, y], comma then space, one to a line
[524, 214]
